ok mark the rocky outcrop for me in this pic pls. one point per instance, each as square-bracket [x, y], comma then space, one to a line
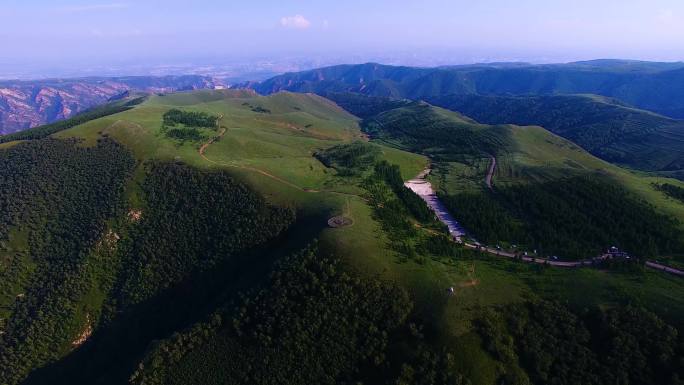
[26, 104]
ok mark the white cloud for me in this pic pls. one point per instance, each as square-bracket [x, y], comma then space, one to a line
[95, 7]
[295, 22]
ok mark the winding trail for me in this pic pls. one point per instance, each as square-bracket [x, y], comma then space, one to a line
[490, 172]
[423, 188]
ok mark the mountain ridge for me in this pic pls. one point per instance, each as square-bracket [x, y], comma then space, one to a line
[658, 87]
[27, 104]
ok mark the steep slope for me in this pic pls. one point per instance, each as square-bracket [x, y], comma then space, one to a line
[604, 127]
[25, 104]
[653, 86]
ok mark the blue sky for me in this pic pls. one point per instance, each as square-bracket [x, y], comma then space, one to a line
[67, 31]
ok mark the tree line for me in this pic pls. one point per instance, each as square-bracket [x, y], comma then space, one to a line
[46, 130]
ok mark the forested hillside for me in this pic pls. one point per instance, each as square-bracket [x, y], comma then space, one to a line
[57, 198]
[652, 86]
[442, 134]
[606, 128]
[311, 323]
[577, 218]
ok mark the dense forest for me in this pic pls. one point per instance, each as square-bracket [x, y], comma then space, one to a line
[57, 195]
[349, 159]
[46, 130]
[312, 323]
[191, 220]
[574, 218]
[555, 345]
[194, 234]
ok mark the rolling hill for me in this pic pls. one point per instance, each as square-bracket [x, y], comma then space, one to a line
[652, 86]
[606, 128]
[529, 160]
[224, 237]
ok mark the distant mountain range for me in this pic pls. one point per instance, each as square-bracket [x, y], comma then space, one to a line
[25, 104]
[657, 87]
[624, 112]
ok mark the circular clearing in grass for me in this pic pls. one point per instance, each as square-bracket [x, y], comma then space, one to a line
[339, 221]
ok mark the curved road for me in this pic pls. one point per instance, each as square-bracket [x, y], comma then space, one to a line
[423, 188]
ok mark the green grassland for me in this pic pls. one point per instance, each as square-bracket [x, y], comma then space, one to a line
[269, 144]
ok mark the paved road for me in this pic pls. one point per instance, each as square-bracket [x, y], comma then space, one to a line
[664, 268]
[424, 189]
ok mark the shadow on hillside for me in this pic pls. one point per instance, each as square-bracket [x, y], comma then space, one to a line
[111, 355]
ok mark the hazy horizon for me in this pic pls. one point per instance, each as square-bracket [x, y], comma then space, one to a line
[75, 38]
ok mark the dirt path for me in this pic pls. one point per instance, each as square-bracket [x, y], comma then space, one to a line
[490, 173]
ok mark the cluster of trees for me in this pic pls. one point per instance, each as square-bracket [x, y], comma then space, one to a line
[184, 125]
[391, 174]
[61, 194]
[175, 116]
[46, 130]
[192, 220]
[313, 322]
[396, 208]
[184, 133]
[671, 190]
[545, 342]
[576, 218]
[349, 159]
